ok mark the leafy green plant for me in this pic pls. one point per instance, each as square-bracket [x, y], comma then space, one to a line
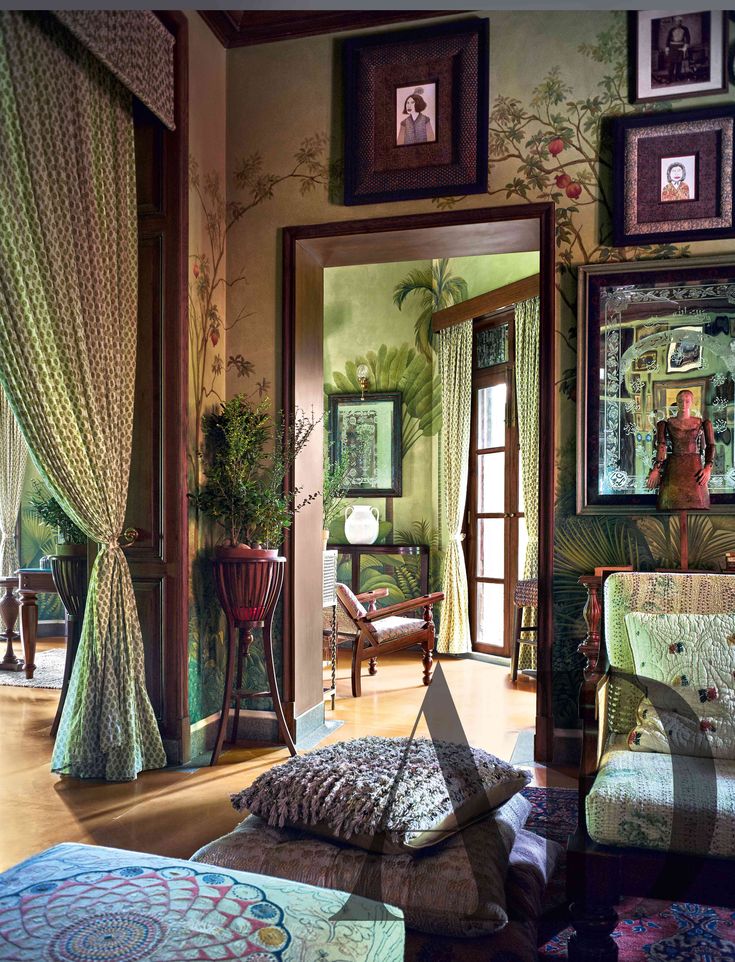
[50, 512]
[334, 488]
[246, 460]
[436, 287]
[398, 369]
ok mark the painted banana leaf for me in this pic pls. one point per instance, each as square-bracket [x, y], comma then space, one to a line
[708, 541]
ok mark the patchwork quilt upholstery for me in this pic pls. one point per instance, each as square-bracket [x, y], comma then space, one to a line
[660, 801]
[82, 903]
[652, 593]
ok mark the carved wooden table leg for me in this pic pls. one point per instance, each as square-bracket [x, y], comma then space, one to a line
[428, 645]
[29, 628]
[9, 616]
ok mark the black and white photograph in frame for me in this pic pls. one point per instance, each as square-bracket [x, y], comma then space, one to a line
[677, 54]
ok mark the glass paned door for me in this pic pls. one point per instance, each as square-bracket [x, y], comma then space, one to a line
[494, 523]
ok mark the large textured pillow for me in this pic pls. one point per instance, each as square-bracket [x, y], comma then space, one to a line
[686, 665]
[456, 889]
[384, 794]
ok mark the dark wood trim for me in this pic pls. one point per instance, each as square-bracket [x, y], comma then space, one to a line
[244, 28]
[307, 238]
[497, 300]
[177, 731]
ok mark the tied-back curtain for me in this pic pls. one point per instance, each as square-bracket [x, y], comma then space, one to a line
[455, 372]
[68, 305]
[13, 457]
[527, 329]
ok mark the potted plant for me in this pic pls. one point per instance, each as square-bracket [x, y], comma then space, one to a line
[71, 541]
[334, 490]
[246, 459]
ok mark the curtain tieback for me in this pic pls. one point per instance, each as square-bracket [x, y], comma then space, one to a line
[459, 536]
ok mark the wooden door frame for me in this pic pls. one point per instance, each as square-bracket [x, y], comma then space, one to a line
[504, 371]
[175, 727]
[307, 250]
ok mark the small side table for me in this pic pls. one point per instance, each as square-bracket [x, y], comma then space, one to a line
[9, 615]
[32, 582]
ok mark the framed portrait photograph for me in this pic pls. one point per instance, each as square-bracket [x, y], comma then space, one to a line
[415, 112]
[646, 331]
[367, 433]
[677, 55]
[673, 176]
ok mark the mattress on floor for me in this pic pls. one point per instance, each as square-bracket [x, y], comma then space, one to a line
[85, 903]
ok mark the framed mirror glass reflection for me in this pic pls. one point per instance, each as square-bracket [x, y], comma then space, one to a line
[647, 330]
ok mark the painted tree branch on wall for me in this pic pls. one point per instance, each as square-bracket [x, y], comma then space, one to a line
[210, 282]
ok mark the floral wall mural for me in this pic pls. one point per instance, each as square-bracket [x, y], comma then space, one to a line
[548, 141]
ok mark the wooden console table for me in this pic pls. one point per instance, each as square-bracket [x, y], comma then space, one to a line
[31, 583]
[413, 550]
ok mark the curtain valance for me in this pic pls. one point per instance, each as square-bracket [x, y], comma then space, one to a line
[136, 47]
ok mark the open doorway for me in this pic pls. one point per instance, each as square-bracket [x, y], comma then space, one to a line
[308, 251]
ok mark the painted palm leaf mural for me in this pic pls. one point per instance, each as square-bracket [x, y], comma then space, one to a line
[436, 287]
[398, 369]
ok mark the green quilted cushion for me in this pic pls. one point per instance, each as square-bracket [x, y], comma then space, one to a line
[651, 593]
[686, 664]
[633, 800]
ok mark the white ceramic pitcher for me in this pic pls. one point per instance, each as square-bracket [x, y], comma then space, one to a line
[361, 524]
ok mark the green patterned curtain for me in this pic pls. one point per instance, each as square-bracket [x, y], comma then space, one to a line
[68, 304]
[13, 457]
[527, 325]
[455, 372]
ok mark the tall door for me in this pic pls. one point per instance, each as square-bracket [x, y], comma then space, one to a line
[156, 510]
[495, 528]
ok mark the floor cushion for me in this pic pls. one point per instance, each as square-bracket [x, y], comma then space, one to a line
[85, 902]
[436, 889]
[670, 802]
[384, 794]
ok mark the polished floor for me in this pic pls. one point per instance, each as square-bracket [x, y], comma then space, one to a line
[175, 811]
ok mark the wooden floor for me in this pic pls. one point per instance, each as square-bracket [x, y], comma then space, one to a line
[175, 811]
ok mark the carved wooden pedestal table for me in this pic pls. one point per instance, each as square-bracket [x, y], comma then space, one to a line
[9, 616]
[31, 583]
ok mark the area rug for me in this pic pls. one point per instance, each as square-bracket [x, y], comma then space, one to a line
[49, 671]
[649, 930]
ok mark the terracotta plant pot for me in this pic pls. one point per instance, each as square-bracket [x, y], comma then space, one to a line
[243, 552]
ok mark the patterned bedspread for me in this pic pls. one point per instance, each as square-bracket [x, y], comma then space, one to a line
[84, 903]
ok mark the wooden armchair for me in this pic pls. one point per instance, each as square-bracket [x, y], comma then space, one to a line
[383, 630]
[650, 824]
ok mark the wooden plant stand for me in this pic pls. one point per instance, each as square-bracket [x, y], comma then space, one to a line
[9, 615]
[248, 590]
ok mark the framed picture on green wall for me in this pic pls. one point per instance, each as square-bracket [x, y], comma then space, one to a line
[366, 432]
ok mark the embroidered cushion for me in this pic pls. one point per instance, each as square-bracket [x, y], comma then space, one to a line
[385, 794]
[687, 721]
[669, 802]
[685, 665]
[694, 594]
[457, 889]
[388, 629]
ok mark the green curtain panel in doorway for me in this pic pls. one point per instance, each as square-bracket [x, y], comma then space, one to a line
[455, 372]
[68, 304]
[527, 322]
[13, 457]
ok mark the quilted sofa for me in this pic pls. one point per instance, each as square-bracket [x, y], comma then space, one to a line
[657, 779]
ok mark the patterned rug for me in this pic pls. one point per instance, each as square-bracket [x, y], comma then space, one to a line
[49, 671]
[649, 930]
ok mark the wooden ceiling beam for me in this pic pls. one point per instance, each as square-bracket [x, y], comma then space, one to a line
[497, 300]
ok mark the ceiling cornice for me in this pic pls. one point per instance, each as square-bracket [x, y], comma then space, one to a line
[243, 28]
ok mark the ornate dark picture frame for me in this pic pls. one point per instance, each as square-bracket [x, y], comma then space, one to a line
[653, 202]
[381, 440]
[449, 64]
[633, 316]
[701, 65]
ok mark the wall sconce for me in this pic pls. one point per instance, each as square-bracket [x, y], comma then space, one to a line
[362, 377]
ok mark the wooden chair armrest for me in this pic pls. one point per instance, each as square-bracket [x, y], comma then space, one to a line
[401, 607]
[371, 597]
